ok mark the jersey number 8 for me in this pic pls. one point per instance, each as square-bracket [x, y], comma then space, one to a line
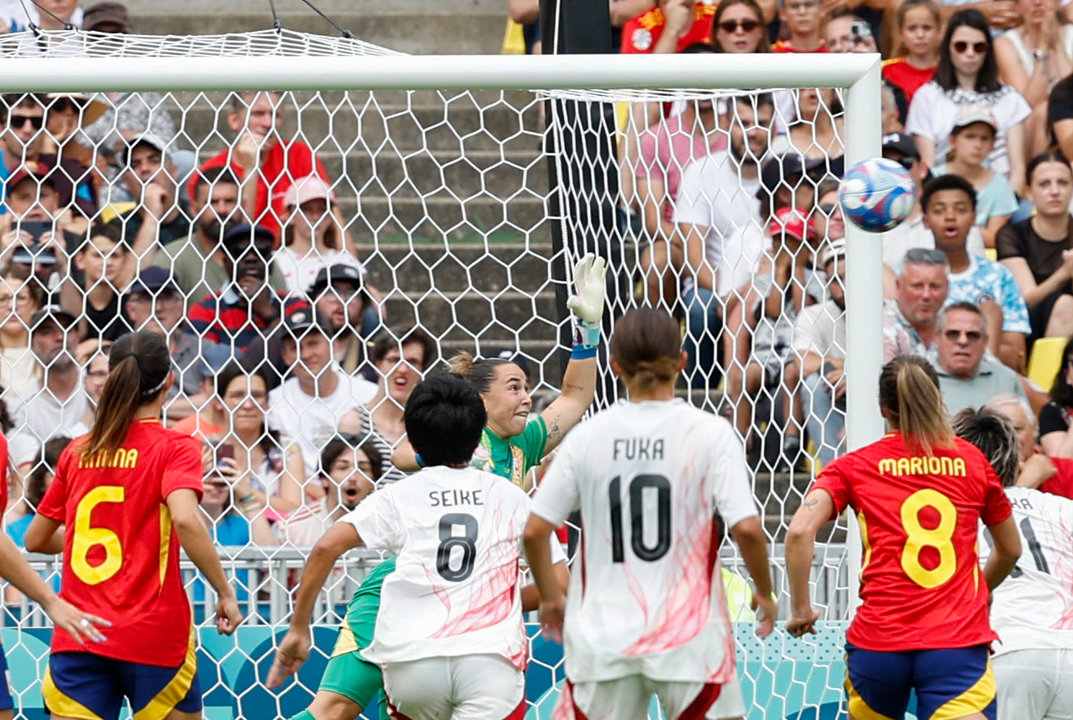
[467, 543]
[919, 537]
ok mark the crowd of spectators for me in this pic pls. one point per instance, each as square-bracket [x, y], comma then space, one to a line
[241, 260]
[286, 366]
[733, 201]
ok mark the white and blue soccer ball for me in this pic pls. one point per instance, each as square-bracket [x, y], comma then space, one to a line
[877, 194]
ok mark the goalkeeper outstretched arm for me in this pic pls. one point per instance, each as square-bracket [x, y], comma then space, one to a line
[579, 379]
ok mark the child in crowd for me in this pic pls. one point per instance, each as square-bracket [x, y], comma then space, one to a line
[972, 140]
[967, 74]
[919, 26]
[802, 27]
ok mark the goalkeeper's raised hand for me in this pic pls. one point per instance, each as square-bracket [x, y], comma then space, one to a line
[590, 277]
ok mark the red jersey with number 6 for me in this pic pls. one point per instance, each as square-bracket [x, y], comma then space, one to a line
[120, 556]
[921, 586]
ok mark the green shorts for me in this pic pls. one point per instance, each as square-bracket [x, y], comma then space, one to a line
[348, 673]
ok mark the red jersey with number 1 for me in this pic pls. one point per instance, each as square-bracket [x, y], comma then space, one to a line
[120, 555]
[921, 585]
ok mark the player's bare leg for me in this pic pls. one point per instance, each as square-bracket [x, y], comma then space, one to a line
[328, 705]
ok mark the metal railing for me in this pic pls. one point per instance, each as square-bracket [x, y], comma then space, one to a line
[264, 579]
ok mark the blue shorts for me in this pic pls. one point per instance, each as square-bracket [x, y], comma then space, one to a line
[6, 703]
[949, 683]
[92, 687]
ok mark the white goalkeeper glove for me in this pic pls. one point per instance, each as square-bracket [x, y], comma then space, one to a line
[590, 275]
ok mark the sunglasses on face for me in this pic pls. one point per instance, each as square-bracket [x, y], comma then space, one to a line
[36, 121]
[977, 47]
[906, 162]
[729, 26]
[970, 335]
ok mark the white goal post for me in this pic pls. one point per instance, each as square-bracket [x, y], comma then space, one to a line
[858, 74]
[555, 77]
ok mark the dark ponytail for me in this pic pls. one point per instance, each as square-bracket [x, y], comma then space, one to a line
[138, 367]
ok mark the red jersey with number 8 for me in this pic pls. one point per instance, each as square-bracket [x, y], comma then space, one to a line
[120, 555]
[921, 585]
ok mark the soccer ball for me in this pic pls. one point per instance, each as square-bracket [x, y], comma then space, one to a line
[877, 194]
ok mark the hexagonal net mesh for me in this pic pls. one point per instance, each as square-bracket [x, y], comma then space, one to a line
[411, 226]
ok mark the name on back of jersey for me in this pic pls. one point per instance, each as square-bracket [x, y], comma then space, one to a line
[1020, 503]
[454, 498]
[637, 448]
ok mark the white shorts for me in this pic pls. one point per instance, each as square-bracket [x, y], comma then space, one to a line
[627, 699]
[468, 687]
[1034, 684]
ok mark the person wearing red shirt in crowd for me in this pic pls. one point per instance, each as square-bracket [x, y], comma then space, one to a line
[670, 27]
[275, 163]
[1038, 470]
[127, 496]
[16, 571]
[920, 493]
[920, 26]
[802, 22]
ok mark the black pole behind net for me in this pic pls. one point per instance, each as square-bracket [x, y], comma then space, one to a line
[582, 171]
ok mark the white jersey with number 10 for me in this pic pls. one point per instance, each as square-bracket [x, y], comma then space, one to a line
[457, 534]
[646, 597]
[1033, 607]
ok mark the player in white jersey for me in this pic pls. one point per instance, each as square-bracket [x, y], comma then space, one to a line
[645, 612]
[449, 633]
[1032, 611]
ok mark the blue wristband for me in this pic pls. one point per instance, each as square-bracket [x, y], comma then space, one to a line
[582, 352]
[589, 334]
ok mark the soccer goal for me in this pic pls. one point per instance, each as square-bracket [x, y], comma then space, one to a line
[439, 171]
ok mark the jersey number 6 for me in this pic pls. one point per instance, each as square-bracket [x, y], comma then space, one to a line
[86, 536]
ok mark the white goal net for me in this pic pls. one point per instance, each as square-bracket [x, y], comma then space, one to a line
[423, 206]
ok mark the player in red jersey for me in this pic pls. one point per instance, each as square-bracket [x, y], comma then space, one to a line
[15, 569]
[920, 493]
[124, 498]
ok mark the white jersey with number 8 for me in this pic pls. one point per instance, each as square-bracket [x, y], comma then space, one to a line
[457, 536]
[1033, 607]
[646, 597]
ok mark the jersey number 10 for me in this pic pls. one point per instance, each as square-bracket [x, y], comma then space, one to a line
[636, 513]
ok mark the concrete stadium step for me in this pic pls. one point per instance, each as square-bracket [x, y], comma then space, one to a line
[484, 121]
[459, 175]
[420, 267]
[473, 312]
[442, 217]
[417, 26]
[437, 32]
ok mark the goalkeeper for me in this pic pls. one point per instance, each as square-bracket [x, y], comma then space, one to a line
[509, 447]
[512, 442]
